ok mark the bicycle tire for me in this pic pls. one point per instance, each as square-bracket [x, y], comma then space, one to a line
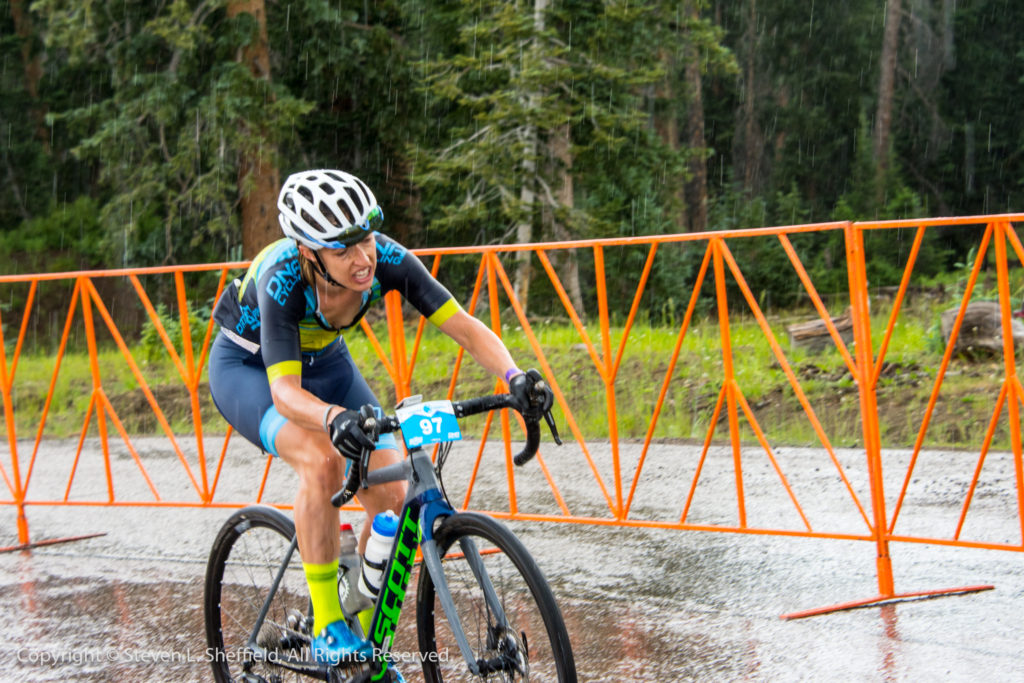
[534, 619]
[244, 559]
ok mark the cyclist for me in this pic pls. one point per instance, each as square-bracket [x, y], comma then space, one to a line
[282, 376]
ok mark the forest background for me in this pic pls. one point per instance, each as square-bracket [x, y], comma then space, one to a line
[141, 132]
[147, 132]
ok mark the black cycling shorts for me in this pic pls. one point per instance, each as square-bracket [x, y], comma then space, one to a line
[241, 392]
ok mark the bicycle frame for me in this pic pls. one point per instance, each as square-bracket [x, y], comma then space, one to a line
[424, 505]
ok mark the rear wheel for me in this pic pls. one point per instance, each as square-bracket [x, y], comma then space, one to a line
[531, 643]
[246, 557]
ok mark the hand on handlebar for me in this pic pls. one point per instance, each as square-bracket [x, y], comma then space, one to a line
[531, 393]
[533, 399]
[348, 436]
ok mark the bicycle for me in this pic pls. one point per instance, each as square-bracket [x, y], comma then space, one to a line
[480, 594]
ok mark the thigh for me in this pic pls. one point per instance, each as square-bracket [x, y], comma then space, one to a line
[239, 387]
[333, 377]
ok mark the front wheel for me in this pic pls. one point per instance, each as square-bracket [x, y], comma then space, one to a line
[530, 644]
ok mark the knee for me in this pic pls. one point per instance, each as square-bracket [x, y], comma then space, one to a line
[392, 495]
[321, 471]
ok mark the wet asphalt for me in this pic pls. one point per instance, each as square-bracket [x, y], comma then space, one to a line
[641, 604]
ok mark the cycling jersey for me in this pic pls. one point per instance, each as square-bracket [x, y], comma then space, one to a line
[273, 311]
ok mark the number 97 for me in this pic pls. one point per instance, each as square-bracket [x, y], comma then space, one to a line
[429, 426]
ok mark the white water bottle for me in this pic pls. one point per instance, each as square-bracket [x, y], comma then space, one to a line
[378, 550]
[352, 600]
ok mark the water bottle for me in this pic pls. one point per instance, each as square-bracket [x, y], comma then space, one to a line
[378, 550]
[353, 602]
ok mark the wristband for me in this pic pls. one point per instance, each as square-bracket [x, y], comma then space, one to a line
[512, 373]
[327, 412]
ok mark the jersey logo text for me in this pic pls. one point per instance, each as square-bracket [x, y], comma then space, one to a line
[284, 281]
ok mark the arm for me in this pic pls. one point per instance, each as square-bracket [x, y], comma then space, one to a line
[298, 405]
[481, 343]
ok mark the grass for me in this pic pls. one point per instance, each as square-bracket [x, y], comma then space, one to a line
[960, 416]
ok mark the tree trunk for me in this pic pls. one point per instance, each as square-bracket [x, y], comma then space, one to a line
[751, 139]
[32, 61]
[258, 177]
[666, 125]
[565, 198]
[886, 87]
[524, 230]
[696, 190]
[527, 194]
[405, 212]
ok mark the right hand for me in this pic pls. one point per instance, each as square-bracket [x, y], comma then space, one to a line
[348, 436]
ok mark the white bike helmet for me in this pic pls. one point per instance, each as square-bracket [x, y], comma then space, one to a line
[327, 209]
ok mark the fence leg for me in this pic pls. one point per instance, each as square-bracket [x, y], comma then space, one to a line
[872, 444]
[23, 536]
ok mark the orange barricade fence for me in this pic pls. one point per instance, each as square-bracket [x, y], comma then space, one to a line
[864, 490]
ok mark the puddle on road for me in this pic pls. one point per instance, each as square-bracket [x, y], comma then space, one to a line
[108, 629]
[88, 629]
[639, 605]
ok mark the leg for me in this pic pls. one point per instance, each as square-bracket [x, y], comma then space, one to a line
[353, 394]
[321, 473]
[390, 496]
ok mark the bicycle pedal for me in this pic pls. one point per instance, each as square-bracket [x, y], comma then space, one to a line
[251, 678]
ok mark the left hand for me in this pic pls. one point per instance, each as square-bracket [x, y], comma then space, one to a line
[532, 394]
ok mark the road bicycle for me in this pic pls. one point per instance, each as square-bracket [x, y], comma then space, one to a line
[483, 607]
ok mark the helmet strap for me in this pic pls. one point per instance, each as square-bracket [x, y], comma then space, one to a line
[322, 270]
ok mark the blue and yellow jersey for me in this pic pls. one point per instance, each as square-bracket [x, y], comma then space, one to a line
[273, 311]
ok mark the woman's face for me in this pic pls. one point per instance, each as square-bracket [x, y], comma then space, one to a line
[352, 266]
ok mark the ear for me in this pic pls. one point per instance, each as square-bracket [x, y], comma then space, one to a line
[306, 252]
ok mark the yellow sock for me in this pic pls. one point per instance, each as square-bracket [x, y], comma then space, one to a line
[365, 619]
[323, 592]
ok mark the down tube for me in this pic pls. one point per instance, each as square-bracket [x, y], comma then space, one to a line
[398, 573]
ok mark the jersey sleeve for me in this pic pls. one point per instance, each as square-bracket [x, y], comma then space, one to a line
[282, 305]
[402, 271]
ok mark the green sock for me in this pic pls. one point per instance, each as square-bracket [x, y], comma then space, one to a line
[323, 592]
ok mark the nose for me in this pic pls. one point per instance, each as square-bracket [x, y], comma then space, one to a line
[364, 253]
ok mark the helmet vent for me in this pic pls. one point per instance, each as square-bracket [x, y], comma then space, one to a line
[306, 217]
[304, 191]
[327, 188]
[329, 215]
[356, 199]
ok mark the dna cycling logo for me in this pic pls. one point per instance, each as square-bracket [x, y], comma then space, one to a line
[390, 253]
[283, 281]
[249, 317]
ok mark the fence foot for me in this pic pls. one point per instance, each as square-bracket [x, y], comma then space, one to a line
[886, 599]
[52, 541]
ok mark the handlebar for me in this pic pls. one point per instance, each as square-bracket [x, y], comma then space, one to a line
[375, 426]
[475, 406]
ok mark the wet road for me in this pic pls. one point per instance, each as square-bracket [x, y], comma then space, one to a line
[640, 604]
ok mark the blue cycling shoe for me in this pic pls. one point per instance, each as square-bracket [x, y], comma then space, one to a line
[337, 642]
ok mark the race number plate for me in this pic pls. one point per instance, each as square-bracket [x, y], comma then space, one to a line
[427, 423]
